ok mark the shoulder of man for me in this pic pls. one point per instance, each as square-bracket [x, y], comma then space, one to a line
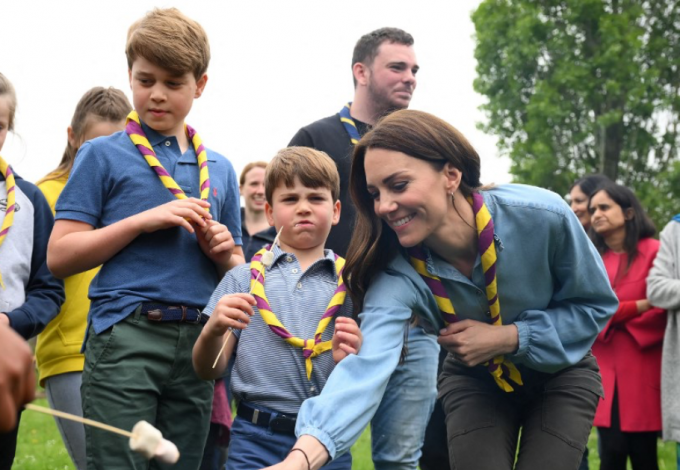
[324, 128]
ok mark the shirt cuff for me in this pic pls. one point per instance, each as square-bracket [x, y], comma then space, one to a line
[321, 436]
[523, 334]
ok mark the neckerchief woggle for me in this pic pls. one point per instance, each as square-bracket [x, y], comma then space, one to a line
[8, 220]
[310, 347]
[499, 367]
[133, 128]
[350, 125]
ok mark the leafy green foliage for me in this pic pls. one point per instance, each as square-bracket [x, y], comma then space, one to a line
[585, 86]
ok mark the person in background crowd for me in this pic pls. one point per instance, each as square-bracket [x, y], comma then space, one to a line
[255, 230]
[663, 291]
[30, 297]
[628, 350]
[100, 112]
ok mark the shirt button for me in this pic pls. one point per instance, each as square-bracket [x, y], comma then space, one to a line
[488, 314]
[168, 143]
[299, 285]
[289, 259]
[294, 270]
[313, 389]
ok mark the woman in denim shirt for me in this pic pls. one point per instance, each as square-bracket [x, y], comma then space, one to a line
[528, 367]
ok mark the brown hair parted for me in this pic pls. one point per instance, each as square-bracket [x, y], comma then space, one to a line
[96, 105]
[366, 48]
[314, 168]
[7, 89]
[247, 168]
[169, 39]
[418, 135]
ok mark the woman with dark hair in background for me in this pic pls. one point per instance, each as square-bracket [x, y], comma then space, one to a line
[629, 348]
[579, 194]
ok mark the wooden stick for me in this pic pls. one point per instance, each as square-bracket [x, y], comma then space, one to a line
[224, 345]
[89, 422]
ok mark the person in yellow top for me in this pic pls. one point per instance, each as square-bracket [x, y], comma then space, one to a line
[100, 112]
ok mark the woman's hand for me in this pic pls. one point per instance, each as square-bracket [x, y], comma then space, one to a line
[473, 342]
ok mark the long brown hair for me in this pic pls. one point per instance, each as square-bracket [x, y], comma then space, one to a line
[103, 104]
[418, 135]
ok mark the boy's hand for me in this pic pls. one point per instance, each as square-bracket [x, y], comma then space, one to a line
[17, 377]
[231, 311]
[185, 213]
[216, 242]
[347, 338]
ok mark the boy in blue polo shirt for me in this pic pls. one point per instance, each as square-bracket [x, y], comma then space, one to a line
[160, 212]
[284, 351]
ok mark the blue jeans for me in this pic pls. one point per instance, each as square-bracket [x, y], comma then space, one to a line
[254, 446]
[398, 427]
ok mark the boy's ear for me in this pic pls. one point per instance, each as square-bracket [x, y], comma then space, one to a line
[130, 78]
[200, 85]
[336, 212]
[269, 212]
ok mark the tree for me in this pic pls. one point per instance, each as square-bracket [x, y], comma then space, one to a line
[585, 86]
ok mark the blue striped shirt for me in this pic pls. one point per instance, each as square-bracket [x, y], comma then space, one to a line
[268, 371]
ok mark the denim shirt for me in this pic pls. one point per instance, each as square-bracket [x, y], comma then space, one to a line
[551, 282]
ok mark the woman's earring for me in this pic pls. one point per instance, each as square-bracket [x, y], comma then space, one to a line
[453, 201]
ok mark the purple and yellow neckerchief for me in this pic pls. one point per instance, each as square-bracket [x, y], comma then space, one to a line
[500, 368]
[11, 204]
[310, 347]
[350, 125]
[133, 128]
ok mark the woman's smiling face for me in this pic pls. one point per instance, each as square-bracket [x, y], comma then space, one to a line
[409, 194]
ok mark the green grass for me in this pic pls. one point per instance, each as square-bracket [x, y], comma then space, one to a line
[40, 447]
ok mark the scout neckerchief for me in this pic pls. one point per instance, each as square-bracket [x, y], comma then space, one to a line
[350, 125]
[500, 368]
[311, 347]
[134, 130]
[11, 199]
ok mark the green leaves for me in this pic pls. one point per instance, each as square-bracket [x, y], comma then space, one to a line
[583, 86]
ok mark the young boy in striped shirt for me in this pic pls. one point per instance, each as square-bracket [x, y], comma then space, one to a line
[284, 335]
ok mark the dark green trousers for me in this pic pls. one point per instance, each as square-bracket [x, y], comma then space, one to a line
[142, 370]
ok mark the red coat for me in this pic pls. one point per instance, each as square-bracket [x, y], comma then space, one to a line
[629, 348]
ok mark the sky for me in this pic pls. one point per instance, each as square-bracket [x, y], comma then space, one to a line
[276, 66]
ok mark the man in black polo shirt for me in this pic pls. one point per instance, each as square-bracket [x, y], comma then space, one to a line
[384, 68]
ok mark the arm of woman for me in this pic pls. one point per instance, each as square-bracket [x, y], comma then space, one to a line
[328, 424]
[663, 287]
[580, 303]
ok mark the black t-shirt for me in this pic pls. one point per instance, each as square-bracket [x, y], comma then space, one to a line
[329, 135]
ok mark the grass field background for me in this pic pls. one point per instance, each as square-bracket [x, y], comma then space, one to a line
[40, 447]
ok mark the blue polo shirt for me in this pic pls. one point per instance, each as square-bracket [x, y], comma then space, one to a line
[111, 181]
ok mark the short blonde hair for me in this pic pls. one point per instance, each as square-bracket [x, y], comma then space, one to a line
[169, 39]
[248, 167]
[7, 89]
[314, 168]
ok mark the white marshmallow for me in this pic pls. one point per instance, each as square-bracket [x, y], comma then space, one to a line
[167, 452]
[145, 439]
[268, 258]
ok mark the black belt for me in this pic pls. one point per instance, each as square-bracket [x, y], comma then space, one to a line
[278, 422]
[173, 313]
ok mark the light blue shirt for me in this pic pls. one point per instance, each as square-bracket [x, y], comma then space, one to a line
[551, 282]
[268, 371]
[112, 181]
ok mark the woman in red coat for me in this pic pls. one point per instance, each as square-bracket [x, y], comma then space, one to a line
[629, 348]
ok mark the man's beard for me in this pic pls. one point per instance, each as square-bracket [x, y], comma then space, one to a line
[381, 101]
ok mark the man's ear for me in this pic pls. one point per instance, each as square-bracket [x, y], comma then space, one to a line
[361, 73]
